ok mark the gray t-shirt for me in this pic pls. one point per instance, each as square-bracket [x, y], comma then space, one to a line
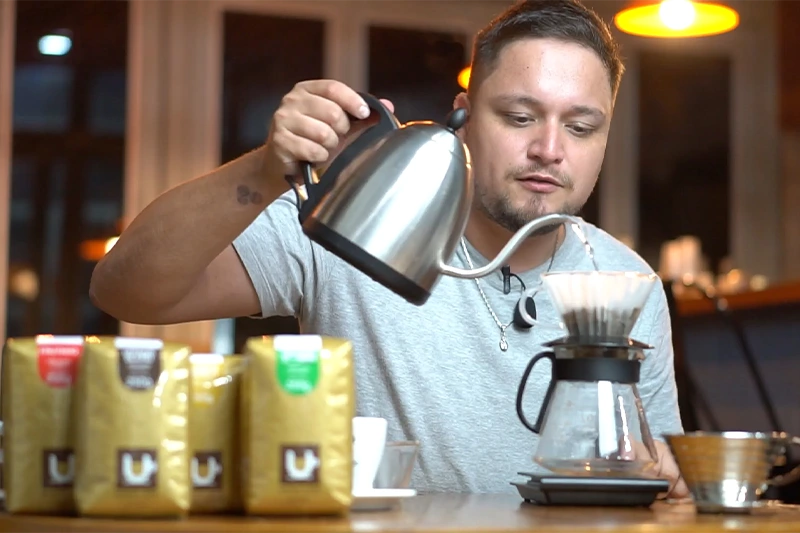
[436, 371]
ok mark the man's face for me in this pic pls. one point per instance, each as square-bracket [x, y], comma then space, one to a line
[537, 131]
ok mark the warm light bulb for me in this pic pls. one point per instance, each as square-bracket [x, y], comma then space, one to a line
[677, 14]
[676, 19]
[463, 77]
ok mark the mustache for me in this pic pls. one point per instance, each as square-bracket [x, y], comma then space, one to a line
[535, 168]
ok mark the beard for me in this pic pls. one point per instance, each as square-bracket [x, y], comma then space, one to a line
[499, 208]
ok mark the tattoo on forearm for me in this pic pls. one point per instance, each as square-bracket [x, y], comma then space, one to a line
[245, 196]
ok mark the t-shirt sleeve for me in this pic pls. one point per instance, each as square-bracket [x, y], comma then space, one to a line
[283, 264]
[657, 386]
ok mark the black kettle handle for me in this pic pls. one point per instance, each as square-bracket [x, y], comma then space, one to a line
[521, 392]
[317, 191]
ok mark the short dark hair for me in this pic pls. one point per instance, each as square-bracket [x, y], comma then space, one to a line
[565, 20]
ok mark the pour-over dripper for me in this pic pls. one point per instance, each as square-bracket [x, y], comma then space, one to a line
[599, 304]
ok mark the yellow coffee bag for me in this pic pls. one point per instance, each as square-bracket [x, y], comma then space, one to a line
[297, 433]
[132, 433]
[39, 460]
[214, 433]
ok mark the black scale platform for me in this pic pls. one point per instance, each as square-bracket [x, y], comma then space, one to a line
[588, 491]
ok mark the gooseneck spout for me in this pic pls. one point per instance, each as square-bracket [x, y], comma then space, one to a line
[511, 246]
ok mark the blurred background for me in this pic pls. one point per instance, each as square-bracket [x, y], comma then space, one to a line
[105, 104]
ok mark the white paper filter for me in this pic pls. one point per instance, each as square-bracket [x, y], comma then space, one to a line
[597, 303]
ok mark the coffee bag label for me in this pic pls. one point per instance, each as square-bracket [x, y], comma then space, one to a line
[300, 463]
[58, 467]
[137, 468]
[139, 367]
[298, 370]
[58, 360]
[206, 470]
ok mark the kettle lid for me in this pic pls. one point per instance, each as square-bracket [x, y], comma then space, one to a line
[421, 132]
[456, 119]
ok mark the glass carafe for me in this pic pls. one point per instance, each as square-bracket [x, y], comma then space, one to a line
[591, 422]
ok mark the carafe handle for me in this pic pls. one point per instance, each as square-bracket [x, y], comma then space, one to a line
[521, 392]
[316, 190]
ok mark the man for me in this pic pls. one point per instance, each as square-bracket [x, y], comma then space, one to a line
[544, 79]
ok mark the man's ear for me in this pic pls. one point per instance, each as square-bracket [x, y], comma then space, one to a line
[462, 100]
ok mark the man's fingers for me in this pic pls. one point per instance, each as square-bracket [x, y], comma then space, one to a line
[315, 121]
[389, 105]
[338, 92]
[668, 468]
[303, 149]
[326, 111]
[671, 470]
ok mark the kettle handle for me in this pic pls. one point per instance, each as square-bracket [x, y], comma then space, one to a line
[316, 191]
[521, 391]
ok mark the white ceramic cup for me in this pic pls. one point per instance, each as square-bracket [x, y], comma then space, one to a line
[369, 441]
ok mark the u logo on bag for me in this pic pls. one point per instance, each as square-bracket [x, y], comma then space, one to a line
[137, 468]
[300, 464]
[59, 467]
[212, 478]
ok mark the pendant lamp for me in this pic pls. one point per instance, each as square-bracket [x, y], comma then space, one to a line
[463, 77]
[676, 18]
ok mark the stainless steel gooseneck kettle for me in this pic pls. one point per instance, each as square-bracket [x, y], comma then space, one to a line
[396, 201]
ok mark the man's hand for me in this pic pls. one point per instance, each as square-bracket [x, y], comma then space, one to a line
[313, 123]
[666, 467]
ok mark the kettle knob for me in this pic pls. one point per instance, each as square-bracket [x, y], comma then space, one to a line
[456, 119]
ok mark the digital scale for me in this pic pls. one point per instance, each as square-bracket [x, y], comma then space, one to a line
[590, 491]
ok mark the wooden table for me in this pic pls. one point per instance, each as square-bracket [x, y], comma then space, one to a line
[446, 513]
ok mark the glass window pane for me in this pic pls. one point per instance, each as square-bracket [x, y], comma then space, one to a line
[23, 185]
[42, 97]
[67, 161]
[290, 50]
[107, 102]
[417, 70]
[684, 109]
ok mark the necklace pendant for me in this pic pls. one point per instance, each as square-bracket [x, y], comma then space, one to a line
[503, 343]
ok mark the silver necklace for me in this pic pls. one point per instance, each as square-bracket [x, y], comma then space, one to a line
[503, 341]
[503, 327]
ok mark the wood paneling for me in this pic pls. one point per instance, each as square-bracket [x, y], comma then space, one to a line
[7, 16]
